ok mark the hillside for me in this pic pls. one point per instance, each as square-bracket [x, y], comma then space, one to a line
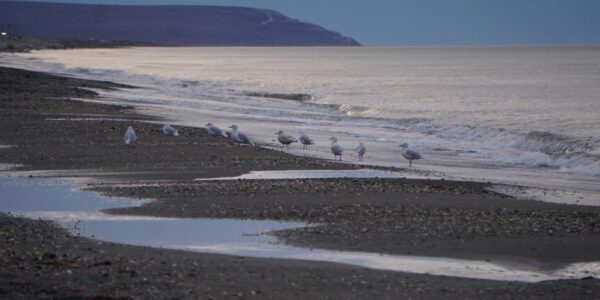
[164, 25]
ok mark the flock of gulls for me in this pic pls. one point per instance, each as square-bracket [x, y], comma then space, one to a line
[283, 138]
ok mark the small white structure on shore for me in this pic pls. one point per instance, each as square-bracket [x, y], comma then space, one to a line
[239, 137]
[214, 130]
[129, 136]
[170, 131]
[3, 33]
[361, 149]
[336, 149]
[285, 139]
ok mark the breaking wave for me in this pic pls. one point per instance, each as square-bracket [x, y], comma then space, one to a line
[501, 147]
[532, 149]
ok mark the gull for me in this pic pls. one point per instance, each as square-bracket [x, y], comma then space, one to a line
[361, 149]
[239, 137]
[285, 139]
[170, 131]
[336, 149]
[305, 140]
[410, 154]
[129, 136]
[214, 130]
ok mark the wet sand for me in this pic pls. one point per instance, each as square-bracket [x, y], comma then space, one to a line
[399, 216]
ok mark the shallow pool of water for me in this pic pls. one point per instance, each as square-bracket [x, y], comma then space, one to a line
[322, 174]
[77, 211]
[22, 195]
[168, 232]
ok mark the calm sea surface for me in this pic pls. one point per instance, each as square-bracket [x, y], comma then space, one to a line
[527, 115]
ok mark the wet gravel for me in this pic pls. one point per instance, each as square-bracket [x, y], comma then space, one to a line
[39, 260]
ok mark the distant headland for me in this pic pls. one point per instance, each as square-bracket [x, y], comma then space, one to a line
[163, 25]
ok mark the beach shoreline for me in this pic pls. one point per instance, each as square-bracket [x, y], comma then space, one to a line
[397, 216]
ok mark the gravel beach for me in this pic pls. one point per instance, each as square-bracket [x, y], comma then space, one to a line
[48, 131]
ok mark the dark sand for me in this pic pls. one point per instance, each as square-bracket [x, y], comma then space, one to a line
[418, 217]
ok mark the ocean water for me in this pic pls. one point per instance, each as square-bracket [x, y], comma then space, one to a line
[517, 115]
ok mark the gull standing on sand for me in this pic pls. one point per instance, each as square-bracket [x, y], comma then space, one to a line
[214, 130]
[336, 149]
[129, 136]
[239, 137]
[305, 140]
[170, 131]
[285, 139]
[410, 154]
[361, 149]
